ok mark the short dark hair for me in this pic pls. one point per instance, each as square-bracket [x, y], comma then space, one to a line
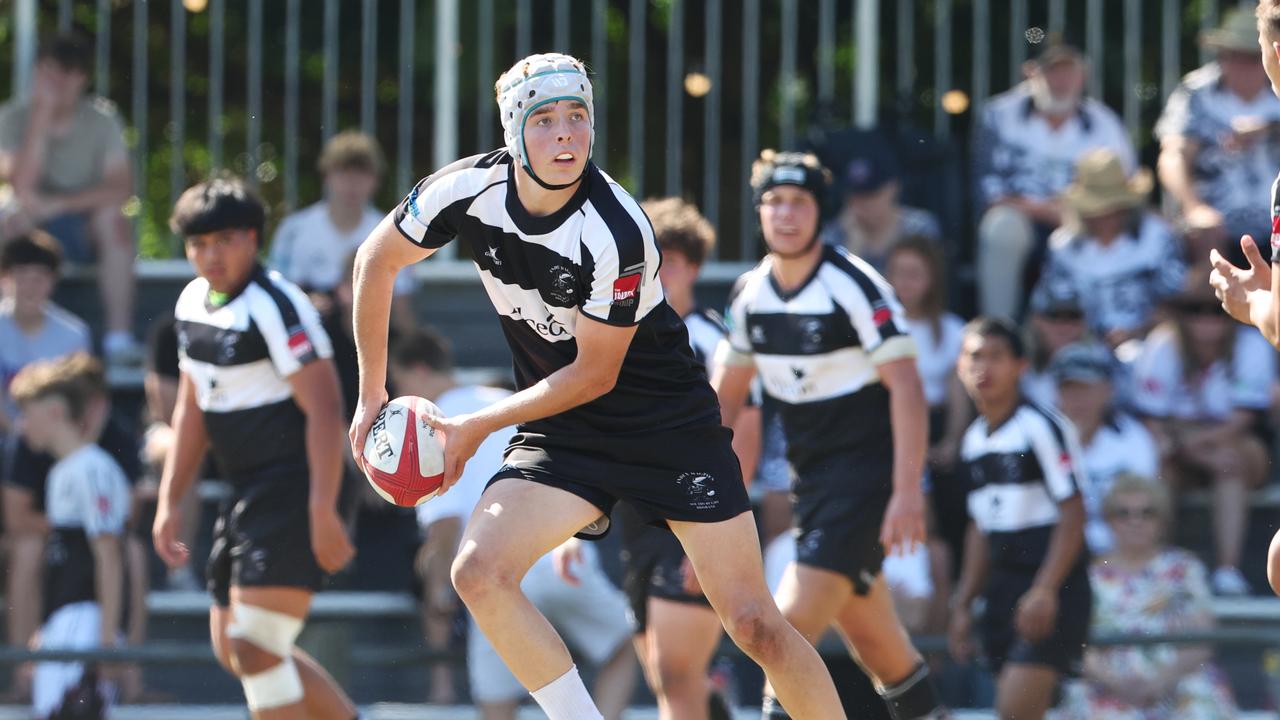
[998, 327]
[70, 51]
[77, 379]
[1269, 18]
[351, 150]
[679, 227]
[35, 248]
[424, 346]
[223, 203]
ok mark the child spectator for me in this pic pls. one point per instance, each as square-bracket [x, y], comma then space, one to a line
[88, 502]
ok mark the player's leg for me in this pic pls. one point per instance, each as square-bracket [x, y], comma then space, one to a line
[685, 637]
[265, 623]
[871, 629]
[809, 598]
[726, 558]
[1025, 692]
[516, 522]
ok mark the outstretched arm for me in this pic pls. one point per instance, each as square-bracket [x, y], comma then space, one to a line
[1249, 294]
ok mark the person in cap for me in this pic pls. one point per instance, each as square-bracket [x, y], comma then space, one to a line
[1057, 320]
[1028, 142]
[612, 404]
[1025, 553]
[1114, 442]
[872, 217]
[1203, 385]
[832, 348]
[1218, 142]
[1123, 258]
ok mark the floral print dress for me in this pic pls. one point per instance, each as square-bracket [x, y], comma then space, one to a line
[1169, 595]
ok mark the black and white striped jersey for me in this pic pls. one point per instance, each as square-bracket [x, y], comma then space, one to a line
[1017, 474]
[87, 495]
[816, 349]
[597, 257]
[706, 330]
[239, 356]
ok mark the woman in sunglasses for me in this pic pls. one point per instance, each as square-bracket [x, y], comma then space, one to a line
[1143, 586]
[1203, 383]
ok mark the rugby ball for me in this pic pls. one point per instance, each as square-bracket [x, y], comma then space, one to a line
[403, 456]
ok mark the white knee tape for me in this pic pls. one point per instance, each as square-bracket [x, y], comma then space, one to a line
[270, 630]
[278, 687]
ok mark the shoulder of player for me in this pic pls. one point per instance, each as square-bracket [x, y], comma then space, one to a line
[191, 299]
[269, 292]
[611, 208]
[850, 274]
[469, 176]
[749, 283]
[1038, 420]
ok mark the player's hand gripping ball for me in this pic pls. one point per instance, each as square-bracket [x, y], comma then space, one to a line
[403, 457]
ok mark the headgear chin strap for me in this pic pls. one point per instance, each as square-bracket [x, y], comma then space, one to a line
[531, 83]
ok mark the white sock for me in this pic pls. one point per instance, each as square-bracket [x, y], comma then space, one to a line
[566, 698]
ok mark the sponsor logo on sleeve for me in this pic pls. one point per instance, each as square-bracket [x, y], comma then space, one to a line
[626, 289]
[881, 315]
[300, 344]
[1275, 228]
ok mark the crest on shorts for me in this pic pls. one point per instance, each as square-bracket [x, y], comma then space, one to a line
[700, 488]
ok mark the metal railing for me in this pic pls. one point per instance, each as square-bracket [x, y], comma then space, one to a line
[652, 111]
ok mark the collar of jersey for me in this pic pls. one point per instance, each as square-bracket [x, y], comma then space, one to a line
[254, 274]
[788, 296]
[542, 225]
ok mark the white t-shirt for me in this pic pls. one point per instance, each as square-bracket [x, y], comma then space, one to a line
[936, 356]
[312, 253]
[1160, 390]
[463, 496]
[1122, 444]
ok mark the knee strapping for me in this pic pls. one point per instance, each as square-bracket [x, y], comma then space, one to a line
[913, 697]
[279, 686]
[274, 632]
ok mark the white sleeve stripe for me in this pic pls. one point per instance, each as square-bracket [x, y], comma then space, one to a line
[1057, 452]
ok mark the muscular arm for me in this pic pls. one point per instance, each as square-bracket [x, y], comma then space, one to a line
[108, 563]
[1064, 545]
[189, 445]
[315, 390]
[909, 416]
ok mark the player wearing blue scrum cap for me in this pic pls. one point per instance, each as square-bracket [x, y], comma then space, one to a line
[612, 403]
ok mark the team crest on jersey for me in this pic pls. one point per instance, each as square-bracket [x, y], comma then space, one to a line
[563, 285]
[700, 487]
[627, 287]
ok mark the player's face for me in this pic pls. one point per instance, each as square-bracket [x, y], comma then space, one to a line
[40, 419]
[677, 273]
[224, 258]
[350, 188]
[1135, 521]
[908, 273]
[788, 219]
[557, 138]
[30, 286]
[1085, 403]
[988, 368]
[1270, 61]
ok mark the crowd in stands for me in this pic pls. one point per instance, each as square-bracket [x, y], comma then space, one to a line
[1126, 340]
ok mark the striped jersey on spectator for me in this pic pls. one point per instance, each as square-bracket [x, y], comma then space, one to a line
[239, 356]
[87, 496]
[1232, 181]
[816, 349]
[1017, 152]
[1120, 285]
[595, 257]
[1018, 473]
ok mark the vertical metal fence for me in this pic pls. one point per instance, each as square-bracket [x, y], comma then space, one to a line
[672, 74]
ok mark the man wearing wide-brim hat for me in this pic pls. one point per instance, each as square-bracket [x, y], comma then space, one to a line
[1219, 148]
[1123, 257]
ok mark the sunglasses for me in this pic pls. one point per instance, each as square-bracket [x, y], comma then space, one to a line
[1142, 513]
